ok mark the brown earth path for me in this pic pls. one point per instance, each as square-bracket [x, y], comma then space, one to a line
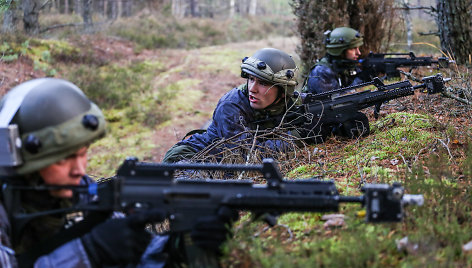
[204, 65]
[213, 85]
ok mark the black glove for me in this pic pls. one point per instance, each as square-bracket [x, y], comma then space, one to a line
[211, 232]
[356, 127]
[120, 241]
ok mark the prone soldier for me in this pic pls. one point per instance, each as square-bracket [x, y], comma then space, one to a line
[46, 127]
[338, 68]
[271, 80]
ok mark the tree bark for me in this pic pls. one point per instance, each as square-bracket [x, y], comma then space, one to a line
[78, 6]
[194, 8]
[112, 10]
[252, 7]
[454, 25]
[126, 8]
[10, 18]
[372, 18]
[178, 8]
[31, 16]
[87, 14]
[232, 8]
[408, 24]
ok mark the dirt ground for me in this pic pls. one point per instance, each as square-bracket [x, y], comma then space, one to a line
[213, 85]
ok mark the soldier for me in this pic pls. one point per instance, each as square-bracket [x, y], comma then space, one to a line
[46, 127]
[337, 68]
[271, 81]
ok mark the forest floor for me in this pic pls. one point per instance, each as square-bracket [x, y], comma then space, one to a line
[181, 65]
[408, 131]
[184, 64]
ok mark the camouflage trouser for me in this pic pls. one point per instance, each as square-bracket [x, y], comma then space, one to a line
[177, 153]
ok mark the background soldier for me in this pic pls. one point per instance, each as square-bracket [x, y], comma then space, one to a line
[56, 123]
[271, 81]
[337, 68]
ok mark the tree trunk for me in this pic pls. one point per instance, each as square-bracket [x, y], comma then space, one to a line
[232, 8]
[252, 7]
[99, 6]
[10, 18]
[112, 10]
[126, 8]
[87, 14]
[194, 12]
[372, 18]
[178, 8]
[454, 25]
[30, 16]
[408, 24]
[78, 6]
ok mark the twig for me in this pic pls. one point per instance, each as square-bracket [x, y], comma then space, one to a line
[447, 147]
[411, 76]
[452, 96]
[428, 33]
[404, 161]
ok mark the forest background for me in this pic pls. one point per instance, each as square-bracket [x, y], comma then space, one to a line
[158, 68]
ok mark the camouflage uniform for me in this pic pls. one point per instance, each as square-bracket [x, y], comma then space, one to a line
[325, 77]
[54, 120]
[333, 71]
[234, 114]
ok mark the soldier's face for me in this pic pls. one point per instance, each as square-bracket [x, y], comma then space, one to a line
[67, 171]
[352, 53]
[261, 93]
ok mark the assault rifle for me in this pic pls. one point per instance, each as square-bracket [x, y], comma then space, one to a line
[383, 63]
[330, 112]
[143, 186]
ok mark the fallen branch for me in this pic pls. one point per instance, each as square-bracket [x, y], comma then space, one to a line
[452, 96]
[60, 26]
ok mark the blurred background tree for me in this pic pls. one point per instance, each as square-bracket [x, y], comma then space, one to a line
[373, 18]
[455, 28]
[384, 24]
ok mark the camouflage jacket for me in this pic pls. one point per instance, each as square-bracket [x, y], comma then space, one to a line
[232, 117]
[325, 77]
[70, 254]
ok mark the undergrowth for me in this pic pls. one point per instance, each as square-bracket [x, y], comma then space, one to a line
[168, 32]
[435, 231]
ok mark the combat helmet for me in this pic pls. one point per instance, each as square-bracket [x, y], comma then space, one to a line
[45, 120]
[273, 66]
[341, 39]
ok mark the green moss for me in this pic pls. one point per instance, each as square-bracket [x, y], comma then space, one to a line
[183, 103]
[414, 121]
[221, 60]
[378, 171]
[397, 133]
[123, 140]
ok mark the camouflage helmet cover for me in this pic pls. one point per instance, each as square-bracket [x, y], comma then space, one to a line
[273, 66]
[342, 38]
[54, 120]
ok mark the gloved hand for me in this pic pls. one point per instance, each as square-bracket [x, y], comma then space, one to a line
[356, 127]
[212, 231]
[120, 241]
